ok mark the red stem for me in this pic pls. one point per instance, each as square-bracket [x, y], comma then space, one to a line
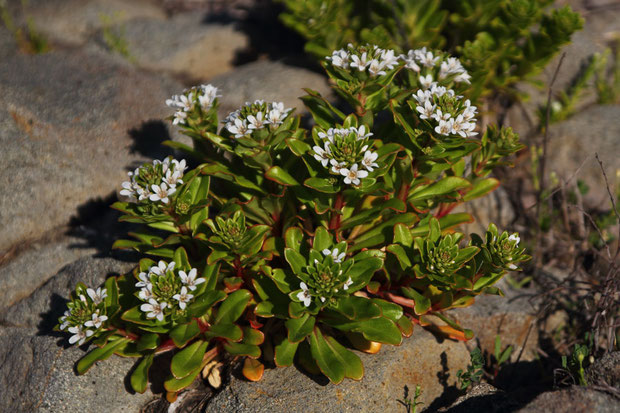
[334, 223]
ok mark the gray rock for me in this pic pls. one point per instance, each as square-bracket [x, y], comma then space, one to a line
[421, 359]
[481, 398]
[183, 45]
[73, 21]
[270, 81]
[577, 399]
[8, 46]
[65, 125]
[605, 371]
[512, 318]
[573, 143]
[37, 371]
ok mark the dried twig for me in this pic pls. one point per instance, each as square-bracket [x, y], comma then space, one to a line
[612, 198]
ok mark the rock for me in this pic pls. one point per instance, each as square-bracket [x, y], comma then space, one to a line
[577, 399]
[605, 371]
[573, 143]
[270, 81]
[183, 45]
[482, 398]
[71, 124]
[8, 45]
[36, 371]
[421, 359]
[512, 318]
[73, 21]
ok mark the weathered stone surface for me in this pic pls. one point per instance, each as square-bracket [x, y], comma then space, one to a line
[482, 398]
[605, 370]
[8, 46]
[511, 317]
[270, 81]
[36, 371]
[73, 21]
[575, 141]
[576, 399]
[66, 126]
[183, 45]
[421, 359]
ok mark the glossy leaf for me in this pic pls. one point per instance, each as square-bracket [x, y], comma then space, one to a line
[232, 307]
[186, 361]
[299, 328]
[101, 353]
[140, 377]
[285, 352]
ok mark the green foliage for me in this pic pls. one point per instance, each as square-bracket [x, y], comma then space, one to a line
[292, 245]
[575, 363]
[500, 42]
[411, 404]
[114, 35]
[27, 36]
[474, 372]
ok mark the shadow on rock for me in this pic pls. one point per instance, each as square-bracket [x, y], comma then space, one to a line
[148, 139]
[96, 223]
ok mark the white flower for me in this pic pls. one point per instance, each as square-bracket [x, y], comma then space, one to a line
[190, 279]
[426, 111]
[470, 111]
[376, 68]
[427, 59]
[304, 294]
[462, 77]
[512, 267]
[422, 96]
[369, 160]
[352, 176]
[128, 190]
[207, 96]
[390, 60]
[239, 127]
[146, 292]
[410, 61]
[339, 58]
[183, 298]
[173, 178]
[322, 155]
[361, 132]
[144, 280]
[277, 113]
[426, 81]
[79, 335]
[63, 319]
[360, 61]
[336, 257]
[347, 284]
[161, 193]
[154, 309]
[444, 127]
[96, 321]
[162, 267]
[515, 238]
[97, 296]
[179, 117]
[439, 115]
[257, 122]
[337, 166]
[183, 102]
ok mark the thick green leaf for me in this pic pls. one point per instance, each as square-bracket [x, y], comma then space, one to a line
[100, 353]
[335, 361]
[422, 304]
[232, 307]
[189, 359]
[299, 328]
[183, 333]
[481, 188]
[148, 341]
[357, 308]
[295, 260]
[181, 259]
[390, 310]
[380, 329]
[322, 239]
[204, 302]
[402, 235]
[285, 352]
[231, 332]
[293, 238]
[401, 255]
[440, 188]
[322, 185]
[173, 384]
[252, 336]
[140, 376]
[280, 176]
[362, 272]
[242, 349]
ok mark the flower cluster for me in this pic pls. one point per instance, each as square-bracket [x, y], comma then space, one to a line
[345, 151]
[326, 277]
[86, 314]
[255, 116]
[365, 58]
[164, 291]
[438, 67]
[446, 111]
[503, 249]
[155, 181]
[202, 97]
